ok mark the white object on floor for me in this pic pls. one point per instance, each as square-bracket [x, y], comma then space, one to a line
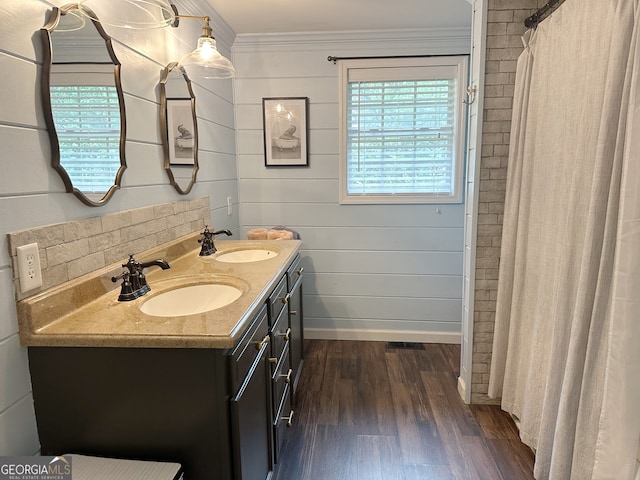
[84, 467]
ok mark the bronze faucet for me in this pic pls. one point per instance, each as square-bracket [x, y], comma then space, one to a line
[208, 247]
[134, 283]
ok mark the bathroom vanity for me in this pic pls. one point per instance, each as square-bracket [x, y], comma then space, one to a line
[212, 391]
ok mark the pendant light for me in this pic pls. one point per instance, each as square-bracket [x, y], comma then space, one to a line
[134, 14]
[205, 61]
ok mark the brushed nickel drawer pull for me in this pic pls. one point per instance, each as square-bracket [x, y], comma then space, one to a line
[285, 334]
[300, 270]
[289, 419]
[273, 360]
[286, 298]
[293, 313]
[264, 342]
[287, 377]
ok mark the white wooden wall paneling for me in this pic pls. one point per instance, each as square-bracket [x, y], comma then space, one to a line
[215, 138]
[14, 370]
[253, 90]
[378, 239]
[295, 64]
[212, 106]
[331, 325]
[25, 18]
[384, 308]
[29, 150]
[8, 315]
[18, 424]
[144, 165]
[319, 262]
[320, 166]
[139, 128]
[384, 216]
[288, 190]
[216, 166]
[363, 284]
[20, 87]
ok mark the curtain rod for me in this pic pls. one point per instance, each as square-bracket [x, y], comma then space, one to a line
[542, 13]
[335, 59]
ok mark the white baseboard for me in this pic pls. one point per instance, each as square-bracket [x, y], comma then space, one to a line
[382, 335]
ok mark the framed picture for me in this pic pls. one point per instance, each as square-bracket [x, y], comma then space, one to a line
[180, 131]
[285, 131]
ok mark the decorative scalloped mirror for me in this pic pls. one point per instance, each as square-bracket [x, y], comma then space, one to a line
[83, 105]
[178, 128]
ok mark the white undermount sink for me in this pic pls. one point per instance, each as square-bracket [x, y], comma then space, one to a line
[191, 300]
[245, 256]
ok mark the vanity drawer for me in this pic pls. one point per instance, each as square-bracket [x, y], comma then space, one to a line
[277, 300]
[281, 381]
[280, 334]
[294, 272]
[249, 348]
[283, 415]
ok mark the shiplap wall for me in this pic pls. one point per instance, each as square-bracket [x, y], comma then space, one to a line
[381, 272]
[32, 194]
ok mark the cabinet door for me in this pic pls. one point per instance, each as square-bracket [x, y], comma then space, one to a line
[296, 337]
[251, 421]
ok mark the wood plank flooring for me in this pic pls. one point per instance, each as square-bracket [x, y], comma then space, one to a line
[367, 411]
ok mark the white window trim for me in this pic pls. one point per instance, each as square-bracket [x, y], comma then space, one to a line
[460, 63]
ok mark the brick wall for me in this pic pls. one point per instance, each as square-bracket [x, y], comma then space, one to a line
[504, 45]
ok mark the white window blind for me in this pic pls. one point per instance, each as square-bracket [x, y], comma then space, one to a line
[402, 131]
[87, 119]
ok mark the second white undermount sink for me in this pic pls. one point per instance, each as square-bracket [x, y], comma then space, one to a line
[245, 256]
[191, 300]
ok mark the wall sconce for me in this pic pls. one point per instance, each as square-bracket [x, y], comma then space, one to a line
[134, 14]
[205, 61]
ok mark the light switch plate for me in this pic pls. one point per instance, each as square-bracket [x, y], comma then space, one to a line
[29, 267]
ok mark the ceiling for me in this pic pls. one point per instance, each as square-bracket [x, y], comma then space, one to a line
[294, 16]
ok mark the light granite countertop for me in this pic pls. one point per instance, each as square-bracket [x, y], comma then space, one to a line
[86, 313]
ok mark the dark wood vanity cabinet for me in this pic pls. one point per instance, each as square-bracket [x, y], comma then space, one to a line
[220, 413]
[280, 366]
[296, 322]
[286, 330]
[250, 407]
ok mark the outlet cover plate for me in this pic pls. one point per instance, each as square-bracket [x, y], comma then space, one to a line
[29, 267]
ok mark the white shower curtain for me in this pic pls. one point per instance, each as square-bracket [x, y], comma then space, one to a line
[566, 353]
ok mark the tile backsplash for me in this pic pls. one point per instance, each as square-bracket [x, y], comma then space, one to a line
[72, 249]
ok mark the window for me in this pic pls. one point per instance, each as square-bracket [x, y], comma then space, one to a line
[402, 130]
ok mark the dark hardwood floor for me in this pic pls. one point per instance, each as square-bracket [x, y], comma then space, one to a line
[367, 411]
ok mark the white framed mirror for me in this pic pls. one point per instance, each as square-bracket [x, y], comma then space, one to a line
[178, 127]
[83, 105]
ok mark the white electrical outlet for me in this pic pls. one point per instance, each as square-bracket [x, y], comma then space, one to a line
[29, 267]
[229, 206]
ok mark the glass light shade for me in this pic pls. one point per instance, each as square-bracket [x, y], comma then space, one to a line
[135, 14]
[206, 62]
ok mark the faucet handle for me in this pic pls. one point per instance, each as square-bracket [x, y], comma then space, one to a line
[207, 235]
[132, 265]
